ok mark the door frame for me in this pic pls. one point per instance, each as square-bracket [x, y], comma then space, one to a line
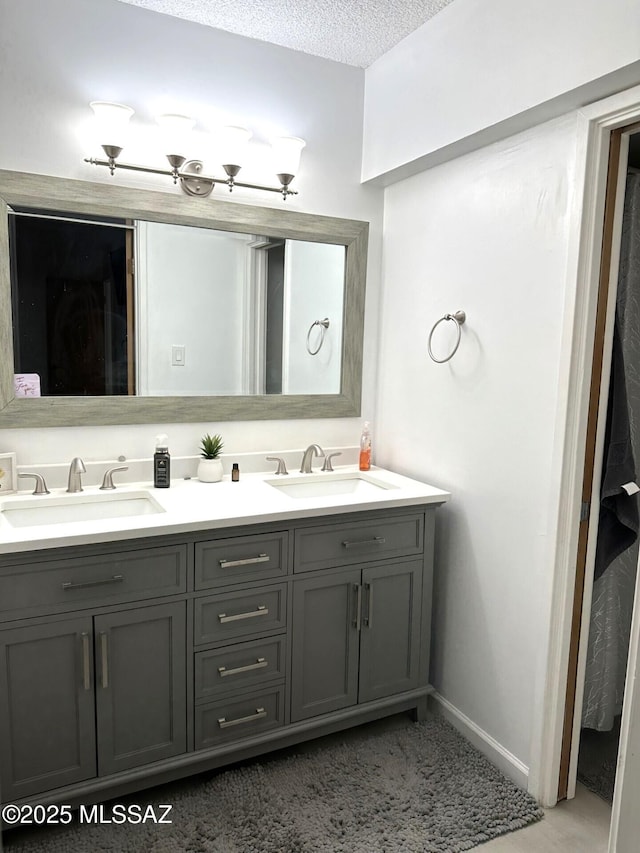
[585, 216]
[593, 459]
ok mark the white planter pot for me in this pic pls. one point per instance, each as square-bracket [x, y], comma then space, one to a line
[210, 470]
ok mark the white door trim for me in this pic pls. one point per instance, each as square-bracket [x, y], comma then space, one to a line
[585, 224]
[599, 449]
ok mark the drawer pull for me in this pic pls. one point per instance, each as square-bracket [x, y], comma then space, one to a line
[377, 540]
[86, 665]
[85, 584]
[262, 610]
[248, 561]
[240, 721]
[259, 664]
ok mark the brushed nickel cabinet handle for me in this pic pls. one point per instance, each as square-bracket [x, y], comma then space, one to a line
[262, 610]
[259, 664]
[104, 660]
[86, 666]
[357, 589]
[260, 713]
[368, 619]
[85, 584]
[376, 540]
[248, 561]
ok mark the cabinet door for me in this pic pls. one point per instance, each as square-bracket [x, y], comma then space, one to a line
[140, 686]
[325, 644]
[390, 636]
[47, 724]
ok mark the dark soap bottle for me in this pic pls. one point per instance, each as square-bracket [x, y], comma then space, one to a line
[161, 467]
[235, 473]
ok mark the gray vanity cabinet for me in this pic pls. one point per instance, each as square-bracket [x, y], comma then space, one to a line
[325, 643]
[356, 637]
[134, 663]
[240, 637]
[390, 631]
[47, 711]
[140, 686]
[92, 664]
[55, 698]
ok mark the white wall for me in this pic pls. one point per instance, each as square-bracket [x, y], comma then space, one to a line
[56, 57]
[314, 290]
[191, 287]
[486, 233]
[481, 71]
[488, 229]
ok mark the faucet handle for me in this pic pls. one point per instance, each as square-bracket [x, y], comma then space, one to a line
[282, 468]
[327, 461]
[107, 480]
[41, 486]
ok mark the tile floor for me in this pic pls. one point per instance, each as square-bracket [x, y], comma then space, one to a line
[580, 825]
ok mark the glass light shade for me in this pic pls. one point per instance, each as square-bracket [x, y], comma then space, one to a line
[111, 122]
[232, 147]
[176, 130]
[286, 154]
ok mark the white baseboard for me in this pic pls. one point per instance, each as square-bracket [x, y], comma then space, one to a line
[488, 746]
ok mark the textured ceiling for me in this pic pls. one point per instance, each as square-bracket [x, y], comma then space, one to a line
[356, 32]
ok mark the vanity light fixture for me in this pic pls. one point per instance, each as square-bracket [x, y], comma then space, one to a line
[112, 123]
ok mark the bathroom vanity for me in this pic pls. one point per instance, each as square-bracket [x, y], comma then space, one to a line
[237, 620]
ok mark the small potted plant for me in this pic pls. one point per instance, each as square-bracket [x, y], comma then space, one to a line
[210, 466]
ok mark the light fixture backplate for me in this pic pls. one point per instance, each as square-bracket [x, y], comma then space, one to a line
[195, 185]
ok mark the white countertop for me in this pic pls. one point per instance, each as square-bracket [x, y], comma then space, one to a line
[189, 505]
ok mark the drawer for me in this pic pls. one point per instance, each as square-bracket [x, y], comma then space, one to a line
[356, 542]
[219, 671]
[219, 618]
[238, 717]
[241, 558]
[65, 584]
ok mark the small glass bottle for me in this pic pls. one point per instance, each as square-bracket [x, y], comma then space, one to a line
[235, 473]
[365, 447]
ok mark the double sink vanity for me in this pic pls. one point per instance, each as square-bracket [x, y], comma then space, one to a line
[149, 634]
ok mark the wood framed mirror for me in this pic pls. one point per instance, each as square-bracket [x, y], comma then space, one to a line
[21, 191]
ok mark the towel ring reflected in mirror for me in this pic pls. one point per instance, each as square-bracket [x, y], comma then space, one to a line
[324, 325]
[458, 318]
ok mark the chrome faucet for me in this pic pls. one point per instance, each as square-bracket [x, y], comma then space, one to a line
[75, 470]
[310, 452]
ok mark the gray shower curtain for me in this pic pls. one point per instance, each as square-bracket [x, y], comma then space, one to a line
[613, 592]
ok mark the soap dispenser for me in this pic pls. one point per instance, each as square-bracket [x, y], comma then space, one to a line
[365, 447]
[161, 463]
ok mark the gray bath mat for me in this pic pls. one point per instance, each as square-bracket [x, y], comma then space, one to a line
[417, 789]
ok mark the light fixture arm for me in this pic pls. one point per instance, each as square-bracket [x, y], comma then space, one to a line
[192, 181]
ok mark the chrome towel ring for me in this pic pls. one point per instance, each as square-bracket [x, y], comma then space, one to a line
[458, 318]
[324, 325]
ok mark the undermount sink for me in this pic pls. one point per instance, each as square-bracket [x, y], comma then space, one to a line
[326, 485]
[65, 509]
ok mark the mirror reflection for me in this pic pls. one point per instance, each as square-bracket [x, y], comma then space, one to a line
[107, 307]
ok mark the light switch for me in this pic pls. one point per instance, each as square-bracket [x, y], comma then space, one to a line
[177, 355]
